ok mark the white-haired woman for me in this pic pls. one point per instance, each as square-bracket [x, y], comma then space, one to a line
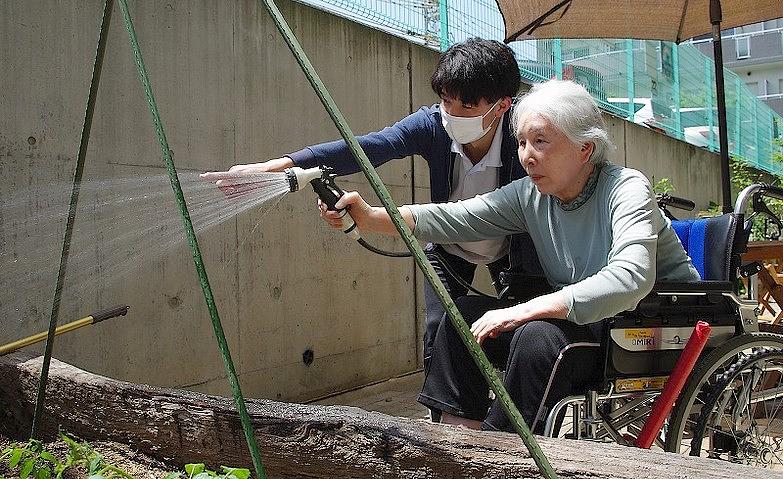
[600, 238]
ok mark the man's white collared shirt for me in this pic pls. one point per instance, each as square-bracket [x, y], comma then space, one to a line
[469, 180]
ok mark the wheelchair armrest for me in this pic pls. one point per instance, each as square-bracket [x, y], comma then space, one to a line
[693, 287]
[684, 299]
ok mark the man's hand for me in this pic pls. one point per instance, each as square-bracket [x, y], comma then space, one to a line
[241, 179]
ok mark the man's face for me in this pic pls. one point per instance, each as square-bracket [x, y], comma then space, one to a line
[456, 107]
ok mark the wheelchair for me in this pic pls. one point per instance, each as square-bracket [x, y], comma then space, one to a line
[731, 406]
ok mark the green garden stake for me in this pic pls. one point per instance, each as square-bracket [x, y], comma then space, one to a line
[193, 242]
[413, 245]
[77, 182]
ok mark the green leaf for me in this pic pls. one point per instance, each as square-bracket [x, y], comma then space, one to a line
[173, 475]
[238, 472]
[663, 186]
[115, 471]
[68, 440]
[27, 468]
[72, 446]
[43, 473]
[95, 463]
[95, 476]
[6, 452]
[205, 475]
[48, 456]
[16, 456]
[194, 469]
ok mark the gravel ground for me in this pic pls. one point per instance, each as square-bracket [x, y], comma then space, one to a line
[134, 463]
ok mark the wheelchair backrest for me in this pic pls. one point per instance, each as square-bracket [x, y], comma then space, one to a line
[646, 342]
[713, 245]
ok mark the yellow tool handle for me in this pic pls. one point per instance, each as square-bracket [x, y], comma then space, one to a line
[65, 328]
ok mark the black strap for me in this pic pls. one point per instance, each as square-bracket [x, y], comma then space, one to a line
[539, 22]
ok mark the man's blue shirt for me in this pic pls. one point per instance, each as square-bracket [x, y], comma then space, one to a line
[422, 133]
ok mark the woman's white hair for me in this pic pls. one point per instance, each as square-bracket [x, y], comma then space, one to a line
[571, 110]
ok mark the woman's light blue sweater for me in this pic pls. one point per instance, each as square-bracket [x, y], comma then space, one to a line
[604, 255]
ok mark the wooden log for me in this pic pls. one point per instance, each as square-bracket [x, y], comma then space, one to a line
[309, 441]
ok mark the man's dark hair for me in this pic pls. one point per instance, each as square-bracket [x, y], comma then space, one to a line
[476, 69]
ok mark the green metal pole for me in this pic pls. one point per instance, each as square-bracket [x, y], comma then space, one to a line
[77, 182]
[193, 242]
[708, 88]
[756, 131]
[737, 117]
[557, 51]
[443, 15]
[676, 88]
[629, 79]
[413, 245]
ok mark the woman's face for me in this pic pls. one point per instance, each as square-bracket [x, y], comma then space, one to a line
[555, 164]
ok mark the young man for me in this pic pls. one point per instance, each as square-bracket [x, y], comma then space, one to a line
[468, 142]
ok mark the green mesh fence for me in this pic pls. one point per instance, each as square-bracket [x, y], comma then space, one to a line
[664, 86]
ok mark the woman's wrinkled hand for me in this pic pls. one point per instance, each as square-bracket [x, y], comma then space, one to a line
[359, 210]
[495, 322]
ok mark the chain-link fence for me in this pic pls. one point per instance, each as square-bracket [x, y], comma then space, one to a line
[662, 85]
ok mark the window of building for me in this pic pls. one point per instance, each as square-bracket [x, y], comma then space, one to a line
[743, 47]
[780, 85]
[753, 27]
[773, 24]
[753, 86]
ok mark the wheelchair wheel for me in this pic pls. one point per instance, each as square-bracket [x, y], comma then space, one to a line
[742, 420]
[702, 382]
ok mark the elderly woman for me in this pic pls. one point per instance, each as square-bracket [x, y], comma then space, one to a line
[600, 238]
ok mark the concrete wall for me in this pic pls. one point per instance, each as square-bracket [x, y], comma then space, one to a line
[229, 92]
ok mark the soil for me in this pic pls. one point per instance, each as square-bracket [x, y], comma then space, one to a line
[121, 456]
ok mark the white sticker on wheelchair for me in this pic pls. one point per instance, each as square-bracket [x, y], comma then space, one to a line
[653, 339]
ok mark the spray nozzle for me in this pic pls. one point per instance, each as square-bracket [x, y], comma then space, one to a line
[297, 177]
[321, 179]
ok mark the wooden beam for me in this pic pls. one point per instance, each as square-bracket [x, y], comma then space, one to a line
[306, 440]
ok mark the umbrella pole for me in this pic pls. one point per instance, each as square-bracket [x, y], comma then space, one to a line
[715, 18]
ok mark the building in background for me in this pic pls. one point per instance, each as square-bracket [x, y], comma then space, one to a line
[664, 86]
[755, 53]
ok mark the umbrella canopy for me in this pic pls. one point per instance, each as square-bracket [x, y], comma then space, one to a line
[669, 20]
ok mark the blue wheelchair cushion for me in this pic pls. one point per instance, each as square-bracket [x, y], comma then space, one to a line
[709, 243]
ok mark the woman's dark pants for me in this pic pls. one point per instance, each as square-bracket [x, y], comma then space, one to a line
[433, 307]
[544, 361]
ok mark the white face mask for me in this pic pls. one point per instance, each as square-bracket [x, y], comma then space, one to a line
[465, 129]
